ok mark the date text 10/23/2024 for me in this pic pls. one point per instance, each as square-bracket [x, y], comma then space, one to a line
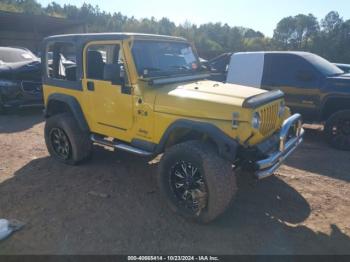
[173, 258]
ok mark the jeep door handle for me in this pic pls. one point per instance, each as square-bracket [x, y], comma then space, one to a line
[90, 86]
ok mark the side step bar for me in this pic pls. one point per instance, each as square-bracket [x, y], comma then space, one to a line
[117, 145]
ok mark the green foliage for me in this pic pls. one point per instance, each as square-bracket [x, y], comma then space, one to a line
[330, 37]
[23, 6]
[296, 32]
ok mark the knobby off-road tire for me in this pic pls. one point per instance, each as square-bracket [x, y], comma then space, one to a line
[337, 130]
[65, 141]
[214, 195]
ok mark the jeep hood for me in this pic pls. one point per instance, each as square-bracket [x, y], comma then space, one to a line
[203, 99]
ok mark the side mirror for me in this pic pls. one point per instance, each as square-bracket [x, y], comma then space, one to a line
[305, 76]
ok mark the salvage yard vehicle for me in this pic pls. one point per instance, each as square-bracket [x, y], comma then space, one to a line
[149, 96]
[20, 79]
[313, 87]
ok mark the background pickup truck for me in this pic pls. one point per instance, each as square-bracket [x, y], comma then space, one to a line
[314, 87]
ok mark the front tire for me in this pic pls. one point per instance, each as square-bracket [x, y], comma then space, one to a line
[196, 182]
[337, 130]
[65, 141]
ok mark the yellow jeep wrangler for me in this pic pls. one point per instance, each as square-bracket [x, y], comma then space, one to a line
[148, 95]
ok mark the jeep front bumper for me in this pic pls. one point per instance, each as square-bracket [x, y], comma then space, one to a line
[290, 136]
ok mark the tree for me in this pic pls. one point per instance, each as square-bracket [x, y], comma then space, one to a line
[333, 40]
[166, 27]
[257, 44]
[250, 33]
[285, 32]
[331, 22]
[30, 7]
[307, 27]
[296, 32]
[330, 38]
[23, 6]
[54, 9]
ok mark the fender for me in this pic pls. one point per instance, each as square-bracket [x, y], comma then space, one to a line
[332, 97]
[73, 106]
[227, 146]
[327, 98]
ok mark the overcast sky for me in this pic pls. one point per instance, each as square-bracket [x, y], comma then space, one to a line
[262, 15]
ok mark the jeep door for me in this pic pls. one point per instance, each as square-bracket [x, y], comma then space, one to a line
[106, 84]
[297, 79]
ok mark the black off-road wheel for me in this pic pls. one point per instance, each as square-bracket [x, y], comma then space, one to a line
[337, 130]
[196, 182]
[65, 141]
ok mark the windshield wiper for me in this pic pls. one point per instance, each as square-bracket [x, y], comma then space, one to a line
[177, 70]
[147, 70]
[158, 72]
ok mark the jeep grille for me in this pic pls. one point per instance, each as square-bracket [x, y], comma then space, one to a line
[269, 117]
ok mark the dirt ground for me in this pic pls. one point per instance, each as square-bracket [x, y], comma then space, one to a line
[304, 209]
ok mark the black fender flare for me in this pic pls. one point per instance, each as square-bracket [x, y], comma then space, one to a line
[73, 106]
[227, 146]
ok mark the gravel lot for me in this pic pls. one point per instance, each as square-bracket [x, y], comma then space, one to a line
[111, 204]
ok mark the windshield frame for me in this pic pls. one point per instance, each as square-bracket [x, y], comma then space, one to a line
[165, 73]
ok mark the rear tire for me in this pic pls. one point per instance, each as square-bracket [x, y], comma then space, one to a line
[337, 130]
[65, 141]
[210, 181]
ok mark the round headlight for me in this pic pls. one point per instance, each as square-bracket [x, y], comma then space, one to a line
[256, 121]
[282, 109]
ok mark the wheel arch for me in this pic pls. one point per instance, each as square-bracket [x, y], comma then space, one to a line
[184, 130]
[62, 103]
[334, 104]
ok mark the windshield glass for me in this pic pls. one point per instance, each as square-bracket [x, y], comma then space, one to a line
[14, 55]
[324, 66]
[156, 58]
